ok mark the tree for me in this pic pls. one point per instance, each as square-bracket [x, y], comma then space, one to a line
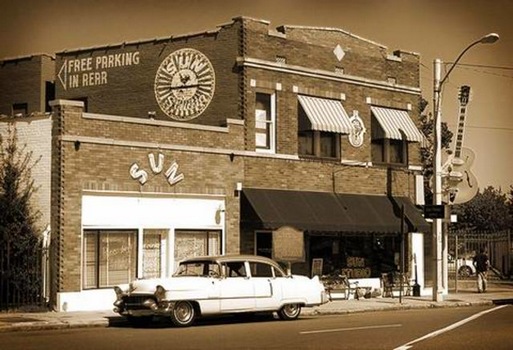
[426, 152]
[19, 240]
[489, 210]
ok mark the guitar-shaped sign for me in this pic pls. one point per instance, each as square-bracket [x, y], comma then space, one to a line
[460, 182]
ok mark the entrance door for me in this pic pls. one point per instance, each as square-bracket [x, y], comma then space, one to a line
[264, 243]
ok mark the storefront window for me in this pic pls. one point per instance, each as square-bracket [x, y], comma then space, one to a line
[191, 243]
[356, 257]
[109, 257]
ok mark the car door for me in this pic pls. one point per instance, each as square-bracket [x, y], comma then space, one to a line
[236, 289]
[266, 286]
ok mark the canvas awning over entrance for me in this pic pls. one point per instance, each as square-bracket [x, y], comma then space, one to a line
[332, 212]
[325, 114]
[396, 123]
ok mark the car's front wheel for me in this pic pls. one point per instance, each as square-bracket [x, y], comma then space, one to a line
[289, 312]
[183, 314]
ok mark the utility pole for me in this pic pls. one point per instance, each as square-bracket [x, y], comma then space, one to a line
[437, 233]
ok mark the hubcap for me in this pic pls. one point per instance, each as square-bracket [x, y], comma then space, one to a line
[183, 312]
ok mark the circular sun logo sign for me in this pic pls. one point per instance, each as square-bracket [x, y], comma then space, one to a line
[184, 84]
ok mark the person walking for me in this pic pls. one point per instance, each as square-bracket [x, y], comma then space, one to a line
[481, 263]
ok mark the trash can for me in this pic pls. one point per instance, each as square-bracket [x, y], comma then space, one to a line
[416, 290]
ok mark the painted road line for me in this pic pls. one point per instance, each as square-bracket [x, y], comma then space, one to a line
[351, 329]
[448, 328]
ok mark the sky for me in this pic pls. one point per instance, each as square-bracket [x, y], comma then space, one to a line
[433, 28]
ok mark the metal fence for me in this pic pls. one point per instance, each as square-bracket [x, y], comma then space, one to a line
[463, 245]
[22, 284]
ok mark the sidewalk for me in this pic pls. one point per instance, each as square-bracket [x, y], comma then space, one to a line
[497, 294]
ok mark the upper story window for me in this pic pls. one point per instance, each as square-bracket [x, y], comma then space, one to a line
[391, 132]
[318, 144]
[320, 123]
[265, 116]
[388, 151]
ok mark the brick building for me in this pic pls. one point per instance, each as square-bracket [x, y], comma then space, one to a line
[298, 143]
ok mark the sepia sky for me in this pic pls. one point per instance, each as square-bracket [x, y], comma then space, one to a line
[432, 28]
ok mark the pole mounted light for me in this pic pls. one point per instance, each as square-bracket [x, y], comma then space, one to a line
[437, 159]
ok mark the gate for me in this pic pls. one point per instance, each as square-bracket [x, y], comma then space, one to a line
[463, 246]
[22, 279]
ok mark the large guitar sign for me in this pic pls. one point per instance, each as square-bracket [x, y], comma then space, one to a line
[461, 183]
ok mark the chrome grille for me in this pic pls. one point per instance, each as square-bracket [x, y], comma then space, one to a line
[135, 302]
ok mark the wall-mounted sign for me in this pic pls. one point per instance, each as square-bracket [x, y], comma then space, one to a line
[171, 174]
[92, 71]
[356, 136]
[184, 84]
[288, 245]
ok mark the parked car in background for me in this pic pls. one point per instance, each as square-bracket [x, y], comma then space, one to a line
[211, 285]
[464, 265]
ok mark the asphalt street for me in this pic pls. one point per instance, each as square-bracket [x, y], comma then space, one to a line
[479, 327]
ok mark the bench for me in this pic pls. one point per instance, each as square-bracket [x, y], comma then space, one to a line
[351, 288]
[396, 282]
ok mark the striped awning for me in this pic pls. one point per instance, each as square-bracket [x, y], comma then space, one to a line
[395, 123]
[326, 115]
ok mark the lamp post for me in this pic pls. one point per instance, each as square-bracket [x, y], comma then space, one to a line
[437, 159]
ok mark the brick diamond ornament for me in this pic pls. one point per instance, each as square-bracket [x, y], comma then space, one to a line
[339, 53]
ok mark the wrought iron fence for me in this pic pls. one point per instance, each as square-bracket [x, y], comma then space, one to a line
[463, 246]
[22, 284]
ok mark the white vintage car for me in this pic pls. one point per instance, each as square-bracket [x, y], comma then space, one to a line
[213, 285]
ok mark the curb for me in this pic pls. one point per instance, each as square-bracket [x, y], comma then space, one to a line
[119, 321]
[52, 325]
[317, 312]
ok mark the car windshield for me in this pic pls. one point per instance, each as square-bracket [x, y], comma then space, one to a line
[198, 268]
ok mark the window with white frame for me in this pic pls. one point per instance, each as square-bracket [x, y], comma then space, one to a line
[110, 257]
[265, 114]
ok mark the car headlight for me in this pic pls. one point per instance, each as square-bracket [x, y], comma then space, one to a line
[160, 293]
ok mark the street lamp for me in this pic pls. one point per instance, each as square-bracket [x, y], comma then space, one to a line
[437, 158]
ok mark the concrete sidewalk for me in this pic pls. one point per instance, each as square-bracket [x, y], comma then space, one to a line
[498, 294]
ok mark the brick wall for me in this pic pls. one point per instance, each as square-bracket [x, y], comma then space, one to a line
[22, 80]
[34, 135]
[86, 158]
[94, 151]
[129, 89]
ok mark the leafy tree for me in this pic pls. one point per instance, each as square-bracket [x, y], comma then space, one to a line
[426, 152]
[18, 220]
[489, 210]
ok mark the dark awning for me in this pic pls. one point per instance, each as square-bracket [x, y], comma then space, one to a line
[324, 211]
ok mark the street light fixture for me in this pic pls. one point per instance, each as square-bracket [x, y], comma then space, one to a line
[437, 159]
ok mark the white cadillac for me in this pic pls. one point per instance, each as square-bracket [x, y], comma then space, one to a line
[210, 285]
